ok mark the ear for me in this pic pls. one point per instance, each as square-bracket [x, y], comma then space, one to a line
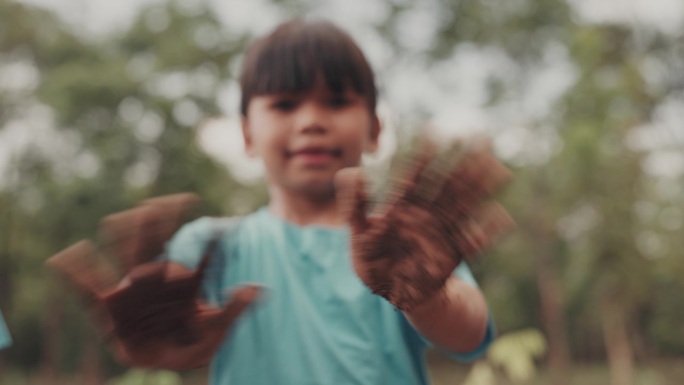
[247, 136]
[376, 127]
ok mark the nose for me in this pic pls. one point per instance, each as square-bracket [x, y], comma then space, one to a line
[312, 119]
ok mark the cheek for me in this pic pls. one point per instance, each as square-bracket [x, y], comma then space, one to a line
[271, 148]
[357, 133]
[267, 140]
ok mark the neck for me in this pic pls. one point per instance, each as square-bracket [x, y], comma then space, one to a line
[303, 209]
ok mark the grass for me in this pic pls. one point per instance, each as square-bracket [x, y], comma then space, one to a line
[663, 372]
[446, 372]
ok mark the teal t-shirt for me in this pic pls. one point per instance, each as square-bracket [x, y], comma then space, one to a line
[318, 323]
[5, 339]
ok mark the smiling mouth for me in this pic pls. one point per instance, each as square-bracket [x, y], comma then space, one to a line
[316, 157]
[316, 152]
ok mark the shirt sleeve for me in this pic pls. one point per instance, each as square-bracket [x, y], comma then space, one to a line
[189, 244]
[5, 339]
[463, 273]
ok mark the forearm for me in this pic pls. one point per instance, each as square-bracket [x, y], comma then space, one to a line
[455, 319]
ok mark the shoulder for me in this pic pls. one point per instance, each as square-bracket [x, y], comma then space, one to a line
[204, 229]
[188, 244]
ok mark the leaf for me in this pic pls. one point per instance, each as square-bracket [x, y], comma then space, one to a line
[516, 352]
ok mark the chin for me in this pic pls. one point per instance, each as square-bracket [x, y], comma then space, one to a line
[321, 188]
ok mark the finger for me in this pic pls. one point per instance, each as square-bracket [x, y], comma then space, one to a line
[138, 235]
[82, 267]
[157, 226]
[100, 320]
[414, 183]
[427, 150]
[479, 233]
[134, 356]
[473, 181]
[208, 253]
[240, 300]
[352, 198]
[494, 221]
[439, 169]
[180, 201]
[120, 235]
[121, 353]
[492, 173]
[198, 274]
[174, 209]
[153, 274]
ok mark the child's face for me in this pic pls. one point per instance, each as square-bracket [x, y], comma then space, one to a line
[305, 138]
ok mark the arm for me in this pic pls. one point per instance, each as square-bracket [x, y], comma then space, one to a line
[153, 316]
[455, 319]
[407, 251]
[5, 339]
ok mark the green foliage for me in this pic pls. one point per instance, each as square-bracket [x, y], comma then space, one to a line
[130, 137]
[144, 377]
[516, 353]
[124, 112]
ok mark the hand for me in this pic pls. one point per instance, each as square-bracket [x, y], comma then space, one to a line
[406, 251]
[152, 314]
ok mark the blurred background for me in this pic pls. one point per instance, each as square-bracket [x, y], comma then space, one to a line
[104, 103]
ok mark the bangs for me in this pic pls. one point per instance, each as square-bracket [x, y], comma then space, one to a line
[296, 54]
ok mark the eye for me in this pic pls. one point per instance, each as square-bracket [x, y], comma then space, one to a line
[338, 101]
[284, 104]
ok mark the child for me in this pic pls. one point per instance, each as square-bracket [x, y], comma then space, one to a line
[5, 339]
[308, 111]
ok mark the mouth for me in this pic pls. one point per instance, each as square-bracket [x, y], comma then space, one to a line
[315, 155]
[334, 152]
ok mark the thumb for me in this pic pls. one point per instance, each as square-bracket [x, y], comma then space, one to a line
[486, 226]
[240, 299]
[352, 199]
[83, 268]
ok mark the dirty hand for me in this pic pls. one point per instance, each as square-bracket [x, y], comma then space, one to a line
[149, 309]
[406, 250]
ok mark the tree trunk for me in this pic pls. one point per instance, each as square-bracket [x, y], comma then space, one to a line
[552, 301]
[553, 320]
[90, 361]
[52, 328]
[616, 339]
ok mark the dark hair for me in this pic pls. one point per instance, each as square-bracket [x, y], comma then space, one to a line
[291, 58]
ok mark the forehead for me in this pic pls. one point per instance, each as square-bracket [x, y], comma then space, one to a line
[297, 56]
[303, 71]
[319, 87]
